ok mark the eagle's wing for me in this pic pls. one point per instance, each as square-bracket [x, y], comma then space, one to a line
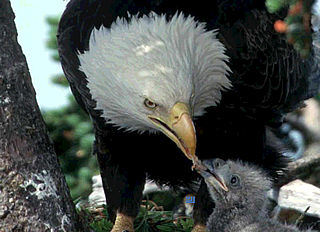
[269, 76]
[74, 31]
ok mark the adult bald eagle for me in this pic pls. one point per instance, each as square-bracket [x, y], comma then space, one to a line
[144, 66]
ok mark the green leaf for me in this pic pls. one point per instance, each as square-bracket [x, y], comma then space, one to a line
[82, 129]
[275, 5]
[86, 142]
[73, 119]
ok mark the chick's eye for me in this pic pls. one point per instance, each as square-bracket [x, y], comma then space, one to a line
[150, 104]
[218, 163]
[235, 180]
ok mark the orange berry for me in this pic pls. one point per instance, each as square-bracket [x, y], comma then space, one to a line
[280, 26]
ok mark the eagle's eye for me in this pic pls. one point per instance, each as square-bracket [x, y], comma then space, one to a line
[150, 104]
[218, 163]
[235, 180]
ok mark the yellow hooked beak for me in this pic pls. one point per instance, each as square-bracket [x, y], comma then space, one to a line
[179, 127]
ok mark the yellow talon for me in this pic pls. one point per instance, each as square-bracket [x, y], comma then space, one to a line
[123, 223]
[199, 228]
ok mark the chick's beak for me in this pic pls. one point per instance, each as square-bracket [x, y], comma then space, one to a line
[179, 127]
[214, 179]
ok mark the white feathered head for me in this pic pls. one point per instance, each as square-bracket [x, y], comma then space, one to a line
[150, 74]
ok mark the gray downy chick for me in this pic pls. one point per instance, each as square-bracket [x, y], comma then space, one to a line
[239, 191]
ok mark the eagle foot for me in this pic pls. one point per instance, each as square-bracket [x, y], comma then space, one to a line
[123, 223]
[199, 228]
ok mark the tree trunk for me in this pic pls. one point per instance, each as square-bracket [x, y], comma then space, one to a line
[33, 192]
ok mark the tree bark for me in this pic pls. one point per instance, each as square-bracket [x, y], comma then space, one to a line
[33, 192]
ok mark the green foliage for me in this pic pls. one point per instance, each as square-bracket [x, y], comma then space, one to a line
[71, 131]
[166, 199]
[296, 25]
[52, 41]
[276, 5]
[60, 80]
[148, 220]
[102, 225]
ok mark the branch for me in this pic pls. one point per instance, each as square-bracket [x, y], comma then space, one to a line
[301, 168]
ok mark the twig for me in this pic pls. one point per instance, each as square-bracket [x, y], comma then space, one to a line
[299, 220]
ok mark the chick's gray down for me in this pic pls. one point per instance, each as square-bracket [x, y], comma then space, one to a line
[239, 191]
